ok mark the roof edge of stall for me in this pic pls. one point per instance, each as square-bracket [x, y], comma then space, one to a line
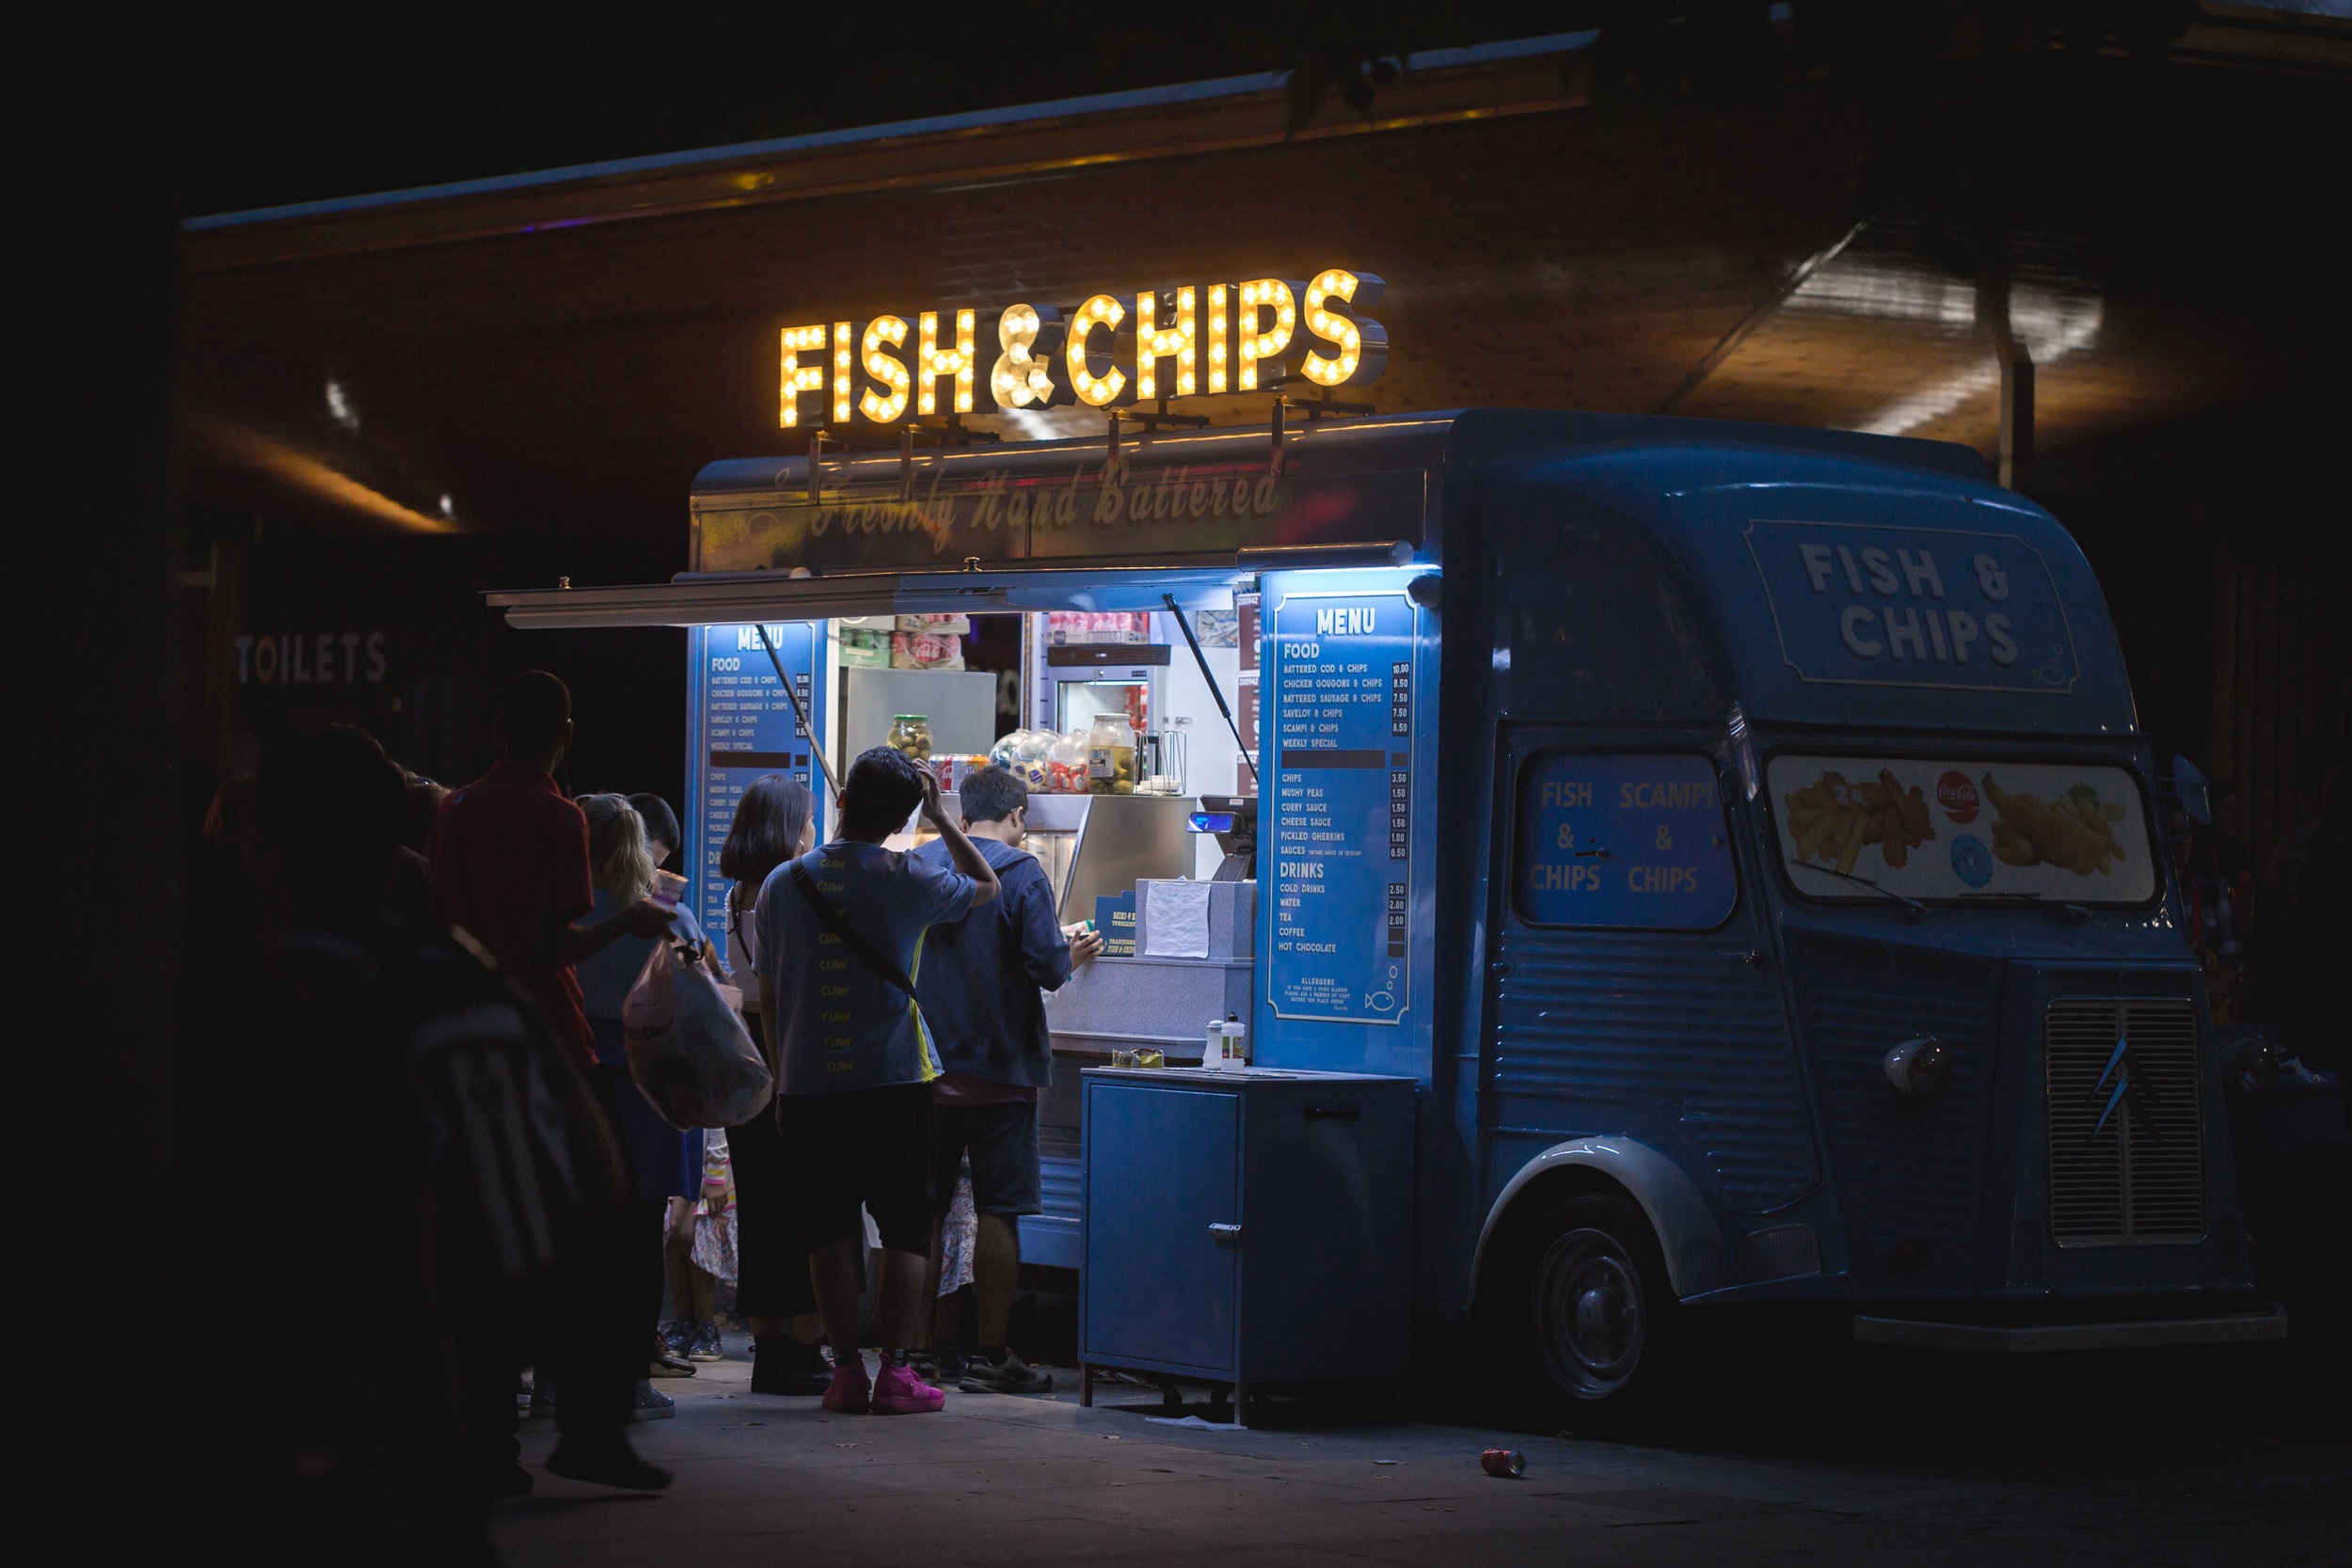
[1539, 429]
[1512, 76]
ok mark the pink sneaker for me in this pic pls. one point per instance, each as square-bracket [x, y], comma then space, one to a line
[899, 1392]
[847, 1392]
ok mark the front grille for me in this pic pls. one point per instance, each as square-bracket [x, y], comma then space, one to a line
[2127, 1168]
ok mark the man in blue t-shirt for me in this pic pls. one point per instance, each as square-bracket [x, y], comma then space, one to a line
[840, 944]
[983, 989]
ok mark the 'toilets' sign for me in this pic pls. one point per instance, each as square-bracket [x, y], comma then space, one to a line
[1199, 340]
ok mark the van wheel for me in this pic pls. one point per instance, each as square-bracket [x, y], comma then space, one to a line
[1600, 1333]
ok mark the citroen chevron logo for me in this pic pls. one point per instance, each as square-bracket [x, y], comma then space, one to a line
[2127, 1088]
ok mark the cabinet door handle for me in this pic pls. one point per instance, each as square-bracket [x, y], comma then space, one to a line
[1330, 1112]
[1226, 1235]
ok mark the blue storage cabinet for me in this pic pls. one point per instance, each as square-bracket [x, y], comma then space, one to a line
[1245, 1227]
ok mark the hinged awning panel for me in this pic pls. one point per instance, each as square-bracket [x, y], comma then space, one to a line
[736, 598]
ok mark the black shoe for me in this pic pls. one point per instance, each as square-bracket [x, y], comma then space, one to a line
[1010, 1375]
[513, 1481]
[780, 1366]
[605, 1462]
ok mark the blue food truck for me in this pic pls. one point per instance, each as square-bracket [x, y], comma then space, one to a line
[1741, 837]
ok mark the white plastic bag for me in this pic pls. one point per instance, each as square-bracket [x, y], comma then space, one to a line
[688, 1050]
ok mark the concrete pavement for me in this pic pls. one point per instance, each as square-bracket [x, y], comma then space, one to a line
[1960, 1470]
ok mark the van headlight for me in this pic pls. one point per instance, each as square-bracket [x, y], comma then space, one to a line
[1918, 1068]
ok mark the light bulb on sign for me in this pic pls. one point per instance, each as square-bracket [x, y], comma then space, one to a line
[1363, 350]
[799, 378]
[1100, 391]
[844, 381]
[1259, 298]
[934, 364]
[891, 367]
[1217, 371]
[883, 334]
[1155, 343]
[1021, 377]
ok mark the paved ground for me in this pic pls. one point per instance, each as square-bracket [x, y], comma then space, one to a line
[2215, 1458]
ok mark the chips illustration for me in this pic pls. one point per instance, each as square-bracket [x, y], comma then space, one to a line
[1831, 820]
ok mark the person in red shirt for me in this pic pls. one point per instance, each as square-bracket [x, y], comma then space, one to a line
[509, 865]
[509, 856]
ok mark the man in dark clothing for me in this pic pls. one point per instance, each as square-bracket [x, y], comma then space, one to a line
[354, 1448]
[510, 870]
[435, 1161]
[980, 993]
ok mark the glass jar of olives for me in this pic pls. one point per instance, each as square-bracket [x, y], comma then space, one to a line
[910, 733]
[1111, 755]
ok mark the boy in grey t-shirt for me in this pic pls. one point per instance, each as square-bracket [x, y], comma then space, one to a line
[840, 944]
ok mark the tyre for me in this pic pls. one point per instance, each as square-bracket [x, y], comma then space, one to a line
[1600, 1335]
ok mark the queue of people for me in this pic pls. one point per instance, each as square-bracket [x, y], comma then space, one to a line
[2270, 937]
[504, 1199]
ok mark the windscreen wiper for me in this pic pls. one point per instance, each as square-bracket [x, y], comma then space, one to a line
[2078, 915]
[1913, 905]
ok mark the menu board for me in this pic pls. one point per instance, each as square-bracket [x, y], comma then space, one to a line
[742, 726]
[1623, 839]
[1341, 681]
[1962, 828]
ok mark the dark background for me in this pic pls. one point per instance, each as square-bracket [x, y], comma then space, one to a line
[135, 116]
[1987, 142]
[289, 106]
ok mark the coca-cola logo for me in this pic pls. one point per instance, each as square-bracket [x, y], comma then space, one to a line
[1957, 796]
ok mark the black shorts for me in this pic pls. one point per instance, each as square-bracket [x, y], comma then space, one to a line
[1002, 1139]
[863, 1146]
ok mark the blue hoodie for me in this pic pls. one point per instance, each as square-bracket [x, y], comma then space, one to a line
[981, 974]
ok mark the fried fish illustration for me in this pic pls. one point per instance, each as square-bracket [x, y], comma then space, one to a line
[2073, 832]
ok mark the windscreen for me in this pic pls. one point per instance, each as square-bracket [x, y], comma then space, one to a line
[1961, 829]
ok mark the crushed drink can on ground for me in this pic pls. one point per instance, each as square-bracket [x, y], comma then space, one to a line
[1509, 1464]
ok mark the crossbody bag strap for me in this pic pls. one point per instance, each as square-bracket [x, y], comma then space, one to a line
[868, 954]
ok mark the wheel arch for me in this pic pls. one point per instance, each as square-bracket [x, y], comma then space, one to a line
[1679, 1216]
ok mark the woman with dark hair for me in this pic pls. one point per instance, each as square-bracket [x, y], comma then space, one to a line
[666, 1162]
[774, 822]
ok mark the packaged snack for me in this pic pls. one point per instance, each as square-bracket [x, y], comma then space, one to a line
[922, 650]
[1077, 628]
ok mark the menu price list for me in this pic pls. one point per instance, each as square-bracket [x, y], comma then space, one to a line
[749, 728]
[1342, 683]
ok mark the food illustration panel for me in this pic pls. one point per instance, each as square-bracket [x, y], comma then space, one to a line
[1956, 829]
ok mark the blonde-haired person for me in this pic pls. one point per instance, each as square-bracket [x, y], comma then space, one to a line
[665, 1163]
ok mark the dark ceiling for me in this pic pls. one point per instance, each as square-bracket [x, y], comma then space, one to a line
[565, 383]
